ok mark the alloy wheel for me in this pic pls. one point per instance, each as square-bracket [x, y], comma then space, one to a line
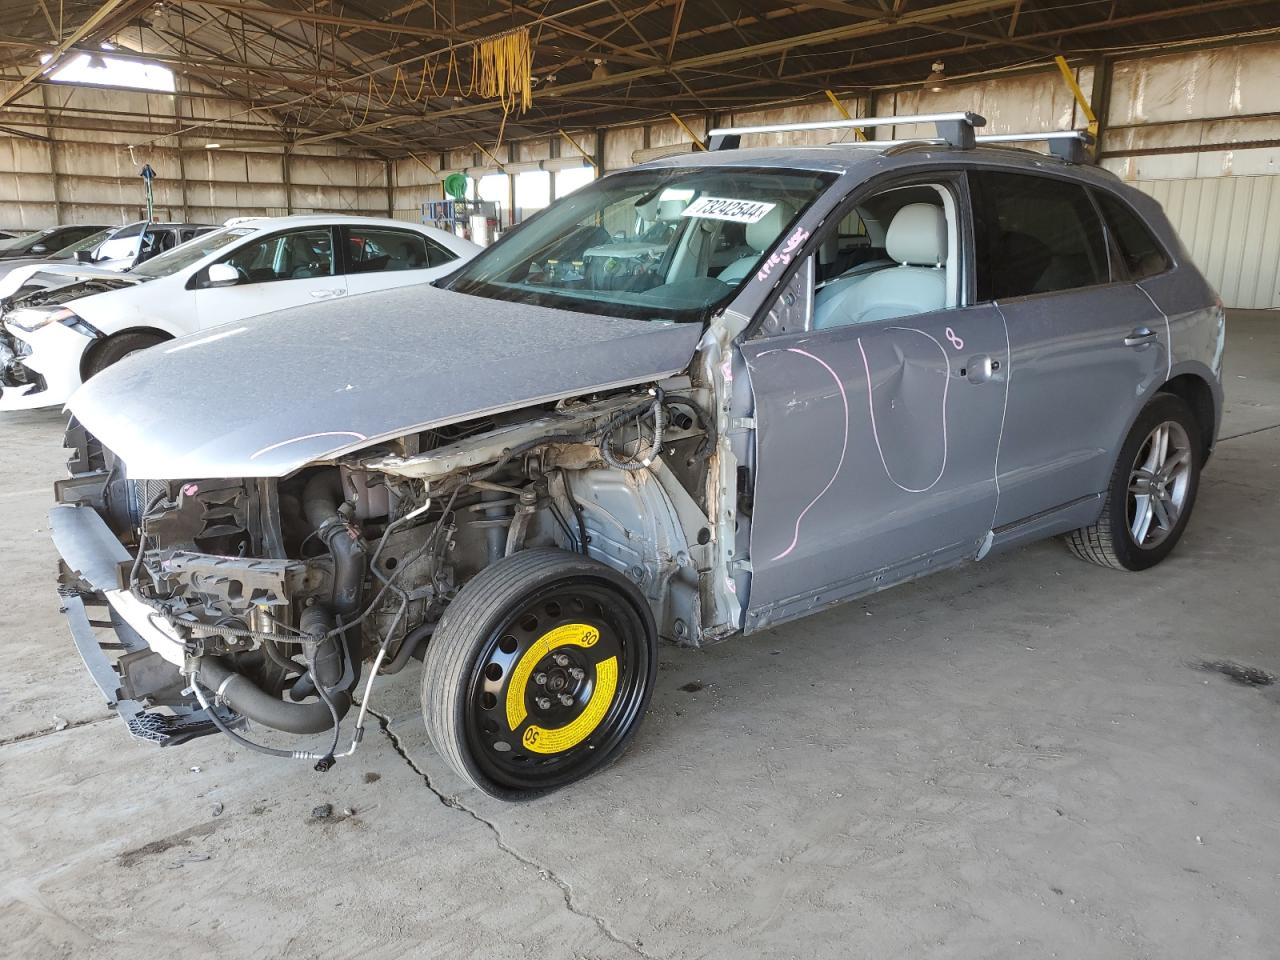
[1158, 484]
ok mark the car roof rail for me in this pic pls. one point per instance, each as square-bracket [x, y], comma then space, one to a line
[1069, 145]
[956, 129]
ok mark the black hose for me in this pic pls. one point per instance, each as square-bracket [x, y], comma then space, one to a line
[248, 699]
[291, 667]
[321, 498]
[411, 644]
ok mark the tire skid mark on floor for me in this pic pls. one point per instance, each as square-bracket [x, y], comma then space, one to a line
[566, 890]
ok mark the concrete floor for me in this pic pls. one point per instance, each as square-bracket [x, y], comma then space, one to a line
[1022, 758]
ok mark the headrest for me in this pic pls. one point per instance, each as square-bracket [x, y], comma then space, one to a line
[762, 233]
[670, 209]
[918, 235]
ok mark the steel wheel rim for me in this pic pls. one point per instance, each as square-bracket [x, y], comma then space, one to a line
[1159, 482]
[528, 643]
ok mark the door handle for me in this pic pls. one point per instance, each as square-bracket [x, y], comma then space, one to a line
[980, 368]
[1140, 337]
[324, 294]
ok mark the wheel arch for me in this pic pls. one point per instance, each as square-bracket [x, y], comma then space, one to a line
[87, 357]
[1195, 389]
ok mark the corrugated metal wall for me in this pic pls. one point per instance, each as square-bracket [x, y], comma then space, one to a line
[1231, 226]
[71, 175]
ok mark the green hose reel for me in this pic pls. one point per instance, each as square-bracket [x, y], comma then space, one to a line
[455, 185]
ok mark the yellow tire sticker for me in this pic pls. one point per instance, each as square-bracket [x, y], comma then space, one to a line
[569, 635]
[539, 740]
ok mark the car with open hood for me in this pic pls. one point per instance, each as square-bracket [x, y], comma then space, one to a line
[604, 431]
[54, 338]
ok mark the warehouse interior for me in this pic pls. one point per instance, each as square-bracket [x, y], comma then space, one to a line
[1024, 758]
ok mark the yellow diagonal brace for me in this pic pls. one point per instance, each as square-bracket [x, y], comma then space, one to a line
[692, 136]
[500, 165]
[835, 102]
[1070, 77]
[577, 146]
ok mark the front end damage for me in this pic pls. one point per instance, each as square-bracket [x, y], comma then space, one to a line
[279, 601]
[43, 342]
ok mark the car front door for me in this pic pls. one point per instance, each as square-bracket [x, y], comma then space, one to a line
[1087, 347]
[875, 444]
[379, 258]
[281, 270]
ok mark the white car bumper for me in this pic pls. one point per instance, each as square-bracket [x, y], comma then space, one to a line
[51, 357]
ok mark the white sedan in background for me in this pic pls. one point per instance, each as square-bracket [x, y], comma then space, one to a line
[54, 339]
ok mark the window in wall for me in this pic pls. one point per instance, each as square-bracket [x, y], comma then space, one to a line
[1140, 253]
[493, 188]
[1034, 235]
[533, 192]
[570, 180]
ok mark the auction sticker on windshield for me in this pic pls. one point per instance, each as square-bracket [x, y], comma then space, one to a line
[721, 208]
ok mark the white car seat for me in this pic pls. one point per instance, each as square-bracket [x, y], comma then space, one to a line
[760, 237]
[917, 242]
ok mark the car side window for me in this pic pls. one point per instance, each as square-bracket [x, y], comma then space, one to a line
[1034, 235]
[1139, 251]
[438, 254]
[296, 255]
[374, 249]
[895, 253]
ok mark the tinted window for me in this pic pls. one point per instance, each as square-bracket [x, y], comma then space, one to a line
[438, 254]
[156, 241]
[1035, 235]
[1138, 250]
[372, 250]
[286, 256]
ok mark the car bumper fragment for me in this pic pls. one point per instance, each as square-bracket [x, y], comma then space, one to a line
[91, 556]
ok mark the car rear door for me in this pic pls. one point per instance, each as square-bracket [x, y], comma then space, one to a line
[379, 258]
[1087, 346]
[280, 270]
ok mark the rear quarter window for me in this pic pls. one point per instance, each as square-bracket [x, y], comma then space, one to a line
[1135, 245]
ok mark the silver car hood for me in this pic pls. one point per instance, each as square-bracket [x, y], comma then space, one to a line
[264, 397]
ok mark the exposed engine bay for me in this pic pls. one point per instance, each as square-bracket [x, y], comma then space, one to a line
[279, 601]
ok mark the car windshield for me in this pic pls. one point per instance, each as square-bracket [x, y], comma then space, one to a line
[670, 243]
[193, 251]
[88, 243]
[24, 242]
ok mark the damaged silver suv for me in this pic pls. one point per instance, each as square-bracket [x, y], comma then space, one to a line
[699, 397]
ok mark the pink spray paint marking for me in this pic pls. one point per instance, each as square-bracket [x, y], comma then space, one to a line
[871, 406]
[844, 400]
[783, 256]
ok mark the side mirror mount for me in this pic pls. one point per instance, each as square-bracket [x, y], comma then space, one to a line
[84, 256]
[222, 275]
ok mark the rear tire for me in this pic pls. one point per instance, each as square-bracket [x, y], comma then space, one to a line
[538, 673]
[1152, 491]
[114, 349]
